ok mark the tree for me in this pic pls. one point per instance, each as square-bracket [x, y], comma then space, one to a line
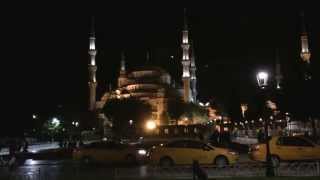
[53, 128]
[121, 111]
[175, 108]
[165, 118]
[178, 109]
[198, 114]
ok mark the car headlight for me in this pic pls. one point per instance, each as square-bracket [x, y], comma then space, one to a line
[142, 152]
[233, 153]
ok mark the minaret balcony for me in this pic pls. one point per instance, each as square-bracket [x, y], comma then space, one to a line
[92, 68]
[305, 56]
[186, 63]
[185, 46]
[92, 52]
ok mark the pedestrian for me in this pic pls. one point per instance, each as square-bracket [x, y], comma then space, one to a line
[198, 171]
[260, 135]
[25, 145]
[201, 138]
[12, 153]
[2, 162]
[61, 143]
[214, 137]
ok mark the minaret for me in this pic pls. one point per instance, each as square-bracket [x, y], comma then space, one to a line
[123, 64]
[305, 53]
[185, 61]
[278, 75]
[193, 75]
[122, 76]
[92, 69]
[148, 61]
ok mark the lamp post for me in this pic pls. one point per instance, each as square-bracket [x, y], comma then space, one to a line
[262, 78]
[244, 108]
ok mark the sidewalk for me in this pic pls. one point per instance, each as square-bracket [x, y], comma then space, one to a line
[35, 147]
[40, 146]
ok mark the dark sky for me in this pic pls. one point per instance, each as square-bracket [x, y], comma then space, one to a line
[45, 60]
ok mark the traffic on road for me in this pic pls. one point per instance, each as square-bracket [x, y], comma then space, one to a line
[172, 153]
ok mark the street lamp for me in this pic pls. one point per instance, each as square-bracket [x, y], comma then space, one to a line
[75, 123]
[244, 108]
[262, 78]
[55, 122]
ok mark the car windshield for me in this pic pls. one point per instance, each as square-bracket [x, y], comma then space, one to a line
[312, 141]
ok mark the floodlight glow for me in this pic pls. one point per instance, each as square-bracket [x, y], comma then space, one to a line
[151, 125]
[262, 78]
[55, 121]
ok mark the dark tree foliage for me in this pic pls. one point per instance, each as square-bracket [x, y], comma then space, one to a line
[193, 111]
[120, 111]
[178, 109]
[165, 118]
[175, 108]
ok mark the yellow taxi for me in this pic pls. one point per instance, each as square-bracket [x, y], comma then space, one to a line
[109, 152]
[186, 151]
[286, 148]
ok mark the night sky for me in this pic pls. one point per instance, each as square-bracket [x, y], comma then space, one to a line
[45, 57]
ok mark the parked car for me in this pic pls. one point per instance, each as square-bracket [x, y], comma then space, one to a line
[109, 152]
[286, 148]
[186, 151]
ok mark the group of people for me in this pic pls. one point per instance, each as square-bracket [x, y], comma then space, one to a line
[222, 138]
[70, 143]
[15, 145]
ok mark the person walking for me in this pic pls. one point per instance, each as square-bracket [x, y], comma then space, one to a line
[12, 154]
[2, 162]
[25, 145]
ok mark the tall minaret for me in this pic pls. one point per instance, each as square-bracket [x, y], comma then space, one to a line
[278, 75]
[92, 68]
[148, 58]
[185, 61]
[122, 76]
[193, 74]
[305, 53]
[123, 64]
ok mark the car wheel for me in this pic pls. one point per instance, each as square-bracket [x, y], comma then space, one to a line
[130, 159]
[275, 160]
[166, 162]
[221, 161]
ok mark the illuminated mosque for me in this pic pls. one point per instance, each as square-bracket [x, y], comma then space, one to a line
[148, 83]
